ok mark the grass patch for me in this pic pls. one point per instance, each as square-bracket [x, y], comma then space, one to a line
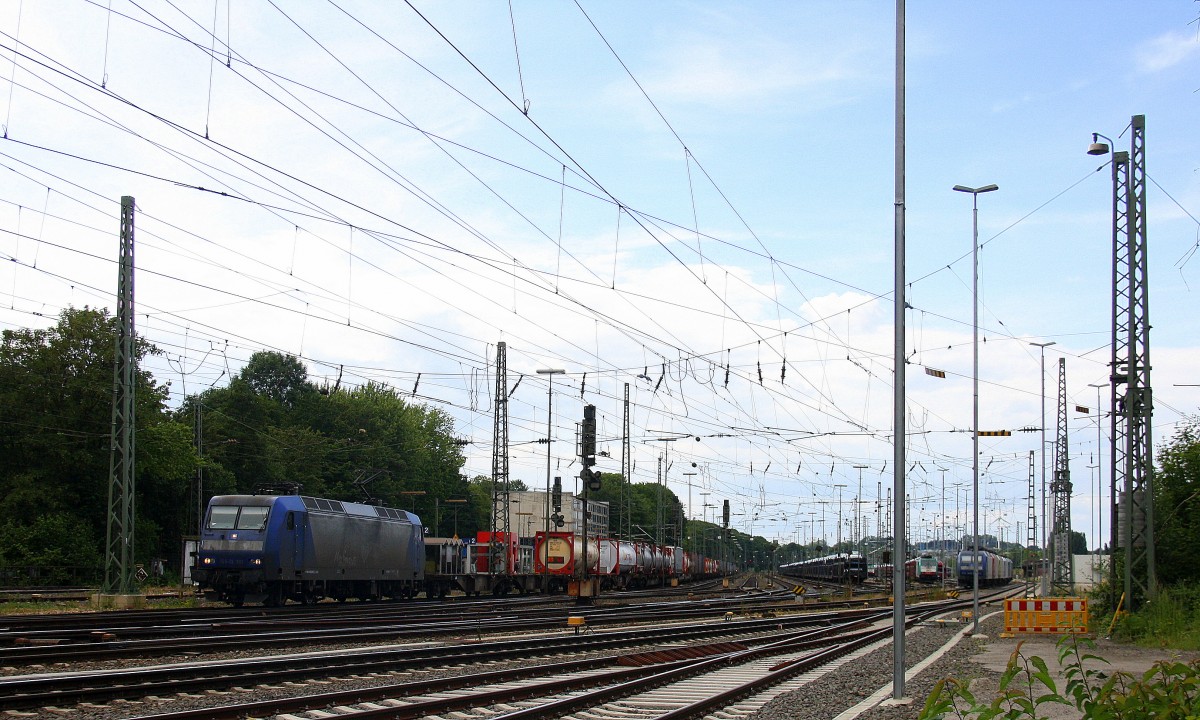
[1172, 620]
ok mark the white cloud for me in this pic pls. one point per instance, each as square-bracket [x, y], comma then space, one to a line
[720, 74]
[1166, 50]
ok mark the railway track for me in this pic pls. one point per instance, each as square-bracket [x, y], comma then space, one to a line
[92, 642]
[32, 691]
[82, 623]
[734, 680]
[730, 653]
[614, 686]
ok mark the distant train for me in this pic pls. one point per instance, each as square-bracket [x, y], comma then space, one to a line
[923, 569]
[841, 568]
[927, 569]
[273, 548]
[993, 569]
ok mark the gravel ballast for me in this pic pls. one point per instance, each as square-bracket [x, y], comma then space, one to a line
[854, 681]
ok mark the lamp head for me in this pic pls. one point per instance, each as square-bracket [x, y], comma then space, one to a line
[976, 191]
[1097, 147]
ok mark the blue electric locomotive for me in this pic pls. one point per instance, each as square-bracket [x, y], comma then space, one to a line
[272, 548]
[993, 569]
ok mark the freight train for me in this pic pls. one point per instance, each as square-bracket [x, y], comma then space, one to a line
[842, 568]
[272, 548]
[993, 569]
[618, 564]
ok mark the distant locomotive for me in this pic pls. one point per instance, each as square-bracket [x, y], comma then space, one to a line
[850, 568]
[927, 569]
[923, 569]
[993, 569]
[274, 548]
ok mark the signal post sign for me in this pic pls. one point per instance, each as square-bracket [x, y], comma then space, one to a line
[1060, 616]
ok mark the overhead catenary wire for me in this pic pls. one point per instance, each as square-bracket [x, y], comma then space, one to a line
[684, 353]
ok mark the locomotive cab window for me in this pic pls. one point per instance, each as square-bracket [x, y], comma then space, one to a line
[232, 517]
[222, 517]
[252, 518]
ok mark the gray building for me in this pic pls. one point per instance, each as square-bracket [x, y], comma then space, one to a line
[528, 512]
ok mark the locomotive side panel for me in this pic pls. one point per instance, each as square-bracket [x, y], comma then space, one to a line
[359, 548]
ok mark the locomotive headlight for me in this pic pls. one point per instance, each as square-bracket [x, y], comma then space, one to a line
[207, 561]
[257, 561]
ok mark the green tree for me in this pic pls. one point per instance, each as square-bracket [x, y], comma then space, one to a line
[277, 377]
[271, 425]
[613, 490]
[1177, 505]
[645, 501]
[56, 410]
[1079, 544]
[477, 515]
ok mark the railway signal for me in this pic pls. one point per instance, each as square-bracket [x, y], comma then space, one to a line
[589, 436]
[591, 477]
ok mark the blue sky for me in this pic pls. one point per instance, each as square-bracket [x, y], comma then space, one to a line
[728, 206]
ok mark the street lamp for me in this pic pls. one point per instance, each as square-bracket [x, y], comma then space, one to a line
[549, 431]
[1099, 470]
[942, 528]
[824, 540]
[1045, 510]
[689, 517]
[839, 486]
[1097, 147]
[1120, 169]
[975, 192]
[456, 502]
[812, 532]
[858, 508]
[414, 494]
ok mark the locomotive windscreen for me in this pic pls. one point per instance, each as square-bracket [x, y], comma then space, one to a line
[236, 517]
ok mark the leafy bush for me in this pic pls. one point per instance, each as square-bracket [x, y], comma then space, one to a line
[55, 539]
[1168, 691]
